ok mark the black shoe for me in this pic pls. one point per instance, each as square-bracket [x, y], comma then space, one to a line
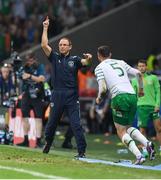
[46, 148]
[67, 145]
[25, 144]
[80, 155]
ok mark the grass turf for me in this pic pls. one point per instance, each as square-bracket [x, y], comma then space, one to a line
[61, 162]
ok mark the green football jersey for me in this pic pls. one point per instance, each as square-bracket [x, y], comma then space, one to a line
[151, 90]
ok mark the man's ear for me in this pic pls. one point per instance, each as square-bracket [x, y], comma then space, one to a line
[70, 47]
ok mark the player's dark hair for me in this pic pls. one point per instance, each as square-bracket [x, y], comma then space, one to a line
[104, 51]
[142, 61]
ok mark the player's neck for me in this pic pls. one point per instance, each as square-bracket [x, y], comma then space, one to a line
[104, 58]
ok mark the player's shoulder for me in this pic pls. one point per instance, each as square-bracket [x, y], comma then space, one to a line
[98, 68]
[118, 61]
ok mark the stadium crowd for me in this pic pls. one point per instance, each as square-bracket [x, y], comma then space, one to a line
[20, 20]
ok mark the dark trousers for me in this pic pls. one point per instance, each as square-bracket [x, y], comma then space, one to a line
[68, 135]
[65, 100]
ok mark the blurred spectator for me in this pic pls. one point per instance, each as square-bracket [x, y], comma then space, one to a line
[156, 68]
[18, 9]
[70, 21]
[87, 83]
[5, 7]
[157, 2]
[153, 64]
[150, 61]
[20, 20]
[31, 32]
[100, 117]
[96, 8]
[7, 88]
[80, 11]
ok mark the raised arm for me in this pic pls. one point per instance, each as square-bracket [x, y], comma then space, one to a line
[44, 41]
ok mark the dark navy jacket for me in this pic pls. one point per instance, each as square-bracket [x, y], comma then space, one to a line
[64, 71]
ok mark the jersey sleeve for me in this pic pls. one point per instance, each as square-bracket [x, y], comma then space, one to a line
[157, 91]
[130, 70]
[134, 85]
[99, 73]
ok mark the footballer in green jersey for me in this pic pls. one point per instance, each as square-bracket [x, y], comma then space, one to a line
[148, 106]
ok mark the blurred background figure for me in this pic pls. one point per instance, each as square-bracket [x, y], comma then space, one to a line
[7, 90]
[87, 83]
[7, 87]
[32, 97]
[100, 117]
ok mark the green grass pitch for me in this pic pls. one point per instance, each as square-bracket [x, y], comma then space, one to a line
[27, 163]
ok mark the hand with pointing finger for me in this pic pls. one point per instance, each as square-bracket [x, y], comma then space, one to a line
[46, 22]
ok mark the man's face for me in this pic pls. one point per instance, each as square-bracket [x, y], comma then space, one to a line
[64, 46]
[142, 67]
[29, 60]
[5, 72]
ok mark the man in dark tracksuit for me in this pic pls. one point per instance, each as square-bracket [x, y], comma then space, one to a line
[65, 95]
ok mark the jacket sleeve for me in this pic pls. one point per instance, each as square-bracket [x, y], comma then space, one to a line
[134, 85]
[157, 91]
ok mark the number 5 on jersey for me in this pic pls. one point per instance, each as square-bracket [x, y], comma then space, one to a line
[119, 70]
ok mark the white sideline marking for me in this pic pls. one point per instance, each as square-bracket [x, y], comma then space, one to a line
[33, 173]
[125, 163]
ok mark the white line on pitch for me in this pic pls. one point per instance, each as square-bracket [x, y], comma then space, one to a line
[33, 173]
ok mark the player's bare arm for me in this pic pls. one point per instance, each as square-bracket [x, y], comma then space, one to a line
[87, 60]
[140, 83]
[102, 89]
[44, 41]
[137, 73]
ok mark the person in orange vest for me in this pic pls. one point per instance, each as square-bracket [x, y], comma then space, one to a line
[86, 82]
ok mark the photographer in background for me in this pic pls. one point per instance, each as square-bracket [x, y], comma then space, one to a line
[7, 90]
[32, 97]
[7, 87]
